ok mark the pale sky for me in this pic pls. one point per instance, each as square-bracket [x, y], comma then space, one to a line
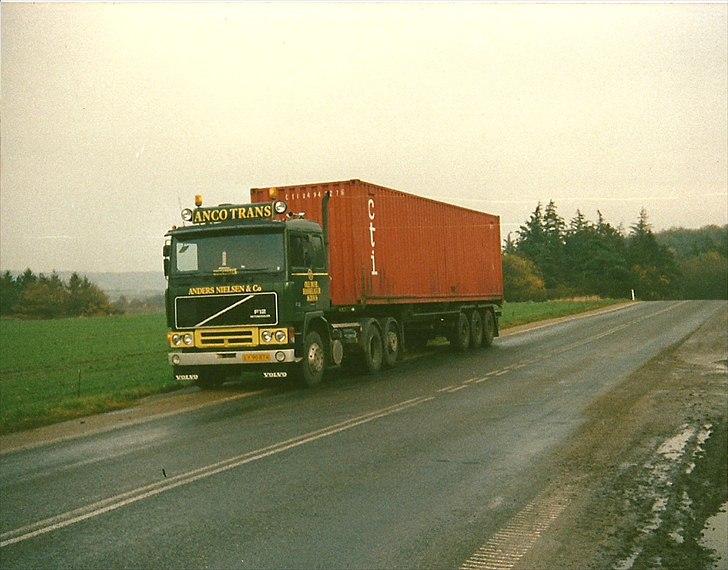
[115, 115]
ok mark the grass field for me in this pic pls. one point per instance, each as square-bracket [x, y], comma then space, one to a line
[56, 370]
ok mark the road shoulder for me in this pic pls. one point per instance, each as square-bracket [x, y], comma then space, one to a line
[648, 467]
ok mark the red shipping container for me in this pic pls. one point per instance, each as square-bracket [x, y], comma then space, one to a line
[389, 247]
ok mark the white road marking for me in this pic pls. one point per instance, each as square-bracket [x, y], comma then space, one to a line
[135, 495]
[493, 545]
[507, 546]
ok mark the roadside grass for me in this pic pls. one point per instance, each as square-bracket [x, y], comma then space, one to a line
[522, 313]
[57, 370]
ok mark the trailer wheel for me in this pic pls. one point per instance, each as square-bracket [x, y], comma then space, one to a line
[314, 360]
[460, 336]
[373, 349]
[392, 342]
[488, 328]
[476, 329]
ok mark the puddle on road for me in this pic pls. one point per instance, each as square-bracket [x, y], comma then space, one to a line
[715, 536]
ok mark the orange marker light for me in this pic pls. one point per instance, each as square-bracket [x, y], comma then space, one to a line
[272, 193]
[198, 200]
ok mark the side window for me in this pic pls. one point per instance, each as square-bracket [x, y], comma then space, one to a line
[297, 255]
[306, 251]
[318, 259]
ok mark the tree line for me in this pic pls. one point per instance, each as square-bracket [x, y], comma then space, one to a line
[48, 296]
[550, 258]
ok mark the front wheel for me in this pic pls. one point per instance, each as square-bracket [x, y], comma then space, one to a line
[314, 359]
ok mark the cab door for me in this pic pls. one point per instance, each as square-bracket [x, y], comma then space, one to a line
[308, 271]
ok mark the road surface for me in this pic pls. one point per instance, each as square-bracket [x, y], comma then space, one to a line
[449, 461]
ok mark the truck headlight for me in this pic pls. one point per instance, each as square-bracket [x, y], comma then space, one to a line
[280, 336]
[267, 336]
[188, 340]
[176, 339]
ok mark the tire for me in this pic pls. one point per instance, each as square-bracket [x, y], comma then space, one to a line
[392, 343]
[460, 336]
[314, 360]
[476, 329]
[373, 349]
[488, 328]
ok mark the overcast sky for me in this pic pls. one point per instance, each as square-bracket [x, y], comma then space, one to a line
[115, 115]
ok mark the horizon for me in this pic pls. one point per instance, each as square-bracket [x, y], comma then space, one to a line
[115, 115]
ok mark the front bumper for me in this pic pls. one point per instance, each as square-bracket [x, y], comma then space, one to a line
[233, 357]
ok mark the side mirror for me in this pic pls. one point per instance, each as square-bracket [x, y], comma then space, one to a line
[166, 266]
[166, 250]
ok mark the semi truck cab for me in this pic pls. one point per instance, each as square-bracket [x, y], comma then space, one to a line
[243, 282]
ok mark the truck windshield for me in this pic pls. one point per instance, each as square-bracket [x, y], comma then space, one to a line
[228, 254]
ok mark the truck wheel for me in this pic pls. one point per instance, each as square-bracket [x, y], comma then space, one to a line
[314, 360]
[373, 350]
[392, 343]
[460, 336]
[476, 329]
[488, 328]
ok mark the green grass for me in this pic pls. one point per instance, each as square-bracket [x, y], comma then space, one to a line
[56, 370]
[515, 314]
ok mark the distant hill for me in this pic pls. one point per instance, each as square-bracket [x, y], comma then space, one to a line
[132, 284]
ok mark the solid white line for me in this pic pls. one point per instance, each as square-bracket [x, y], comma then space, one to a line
[225, 310]
[118, 501]
[446, 388]
[456, 388]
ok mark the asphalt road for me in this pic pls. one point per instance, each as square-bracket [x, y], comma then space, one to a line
[419, 467]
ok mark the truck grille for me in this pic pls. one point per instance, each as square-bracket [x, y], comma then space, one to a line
[226, 338]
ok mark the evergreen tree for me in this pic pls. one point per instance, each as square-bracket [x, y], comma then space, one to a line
[552, 262]
[653, 267]
[9, 293]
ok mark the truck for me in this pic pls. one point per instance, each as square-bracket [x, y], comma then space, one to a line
[310, 277]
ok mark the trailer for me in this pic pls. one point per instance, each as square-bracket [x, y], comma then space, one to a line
[308, 277]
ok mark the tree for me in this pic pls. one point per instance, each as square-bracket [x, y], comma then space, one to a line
[551, 264]
[522, 281]
[705, 276]
[653, 267]
[9, 293]
[532, 236]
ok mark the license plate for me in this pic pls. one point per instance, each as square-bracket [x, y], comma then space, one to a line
[256, 357]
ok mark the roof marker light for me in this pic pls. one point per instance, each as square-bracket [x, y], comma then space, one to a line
[280, 207]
